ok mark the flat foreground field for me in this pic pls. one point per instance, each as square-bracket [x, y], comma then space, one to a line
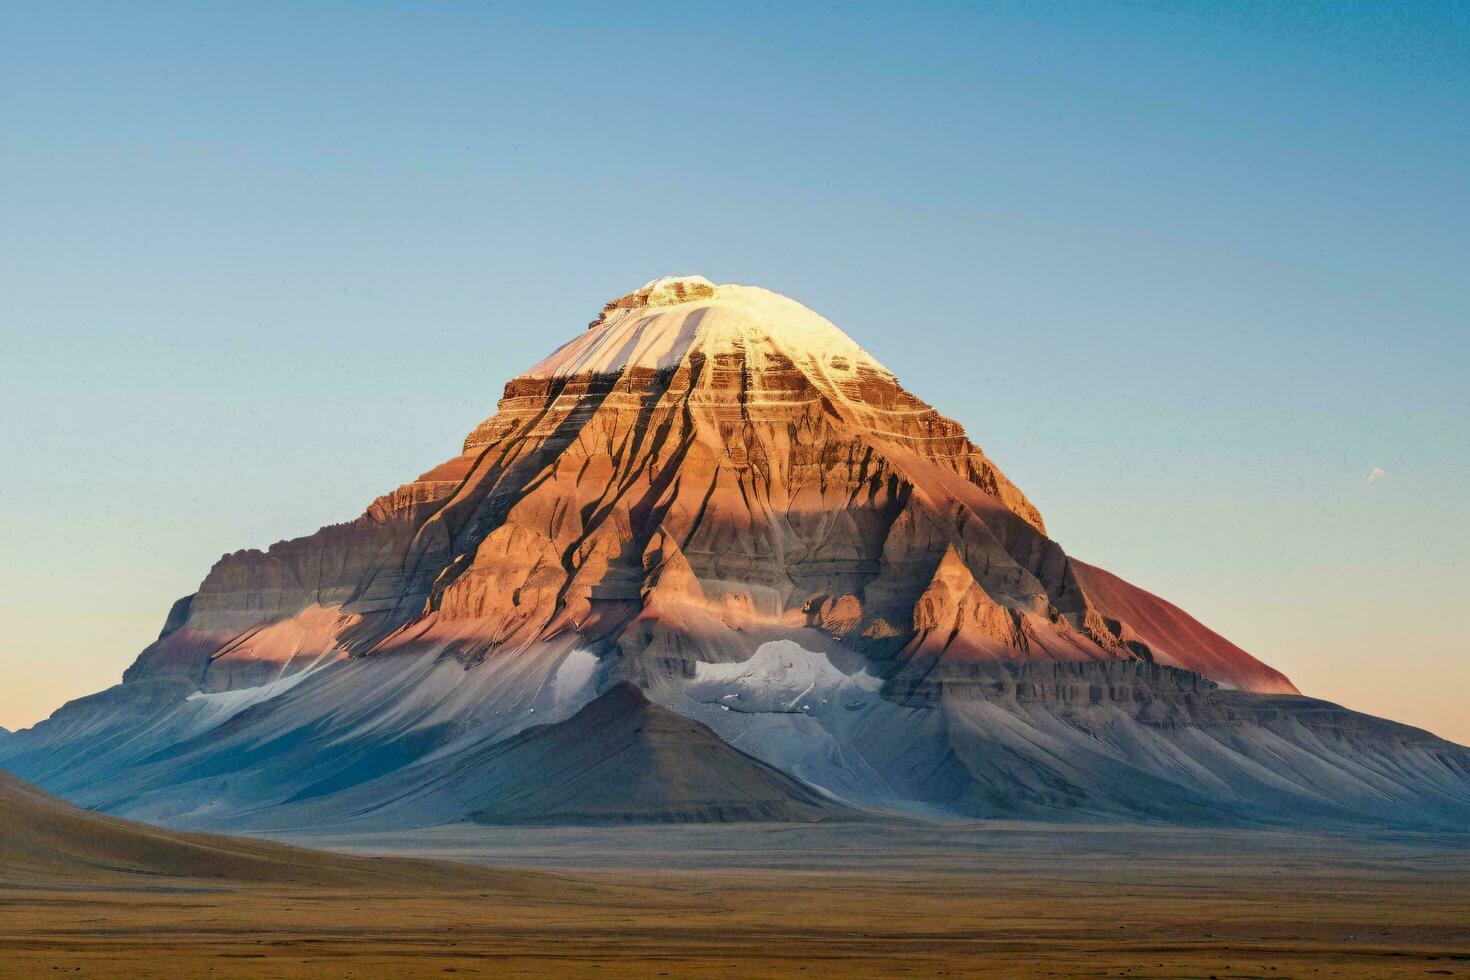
[980, 900]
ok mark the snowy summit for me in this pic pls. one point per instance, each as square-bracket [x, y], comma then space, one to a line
[664, 321]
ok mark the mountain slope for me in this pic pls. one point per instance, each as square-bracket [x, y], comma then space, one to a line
[622, 758]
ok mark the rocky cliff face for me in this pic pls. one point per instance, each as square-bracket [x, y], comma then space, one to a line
[704, 469]
[715, 495]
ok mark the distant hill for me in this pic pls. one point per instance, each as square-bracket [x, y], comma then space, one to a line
[45, 840]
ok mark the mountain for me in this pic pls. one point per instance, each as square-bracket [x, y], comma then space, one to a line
[715, 495]
[704, 467]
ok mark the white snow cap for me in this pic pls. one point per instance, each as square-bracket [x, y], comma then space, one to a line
[662, 322]
[667, 291]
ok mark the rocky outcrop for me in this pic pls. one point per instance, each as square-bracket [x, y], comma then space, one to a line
[355, 574]
[668, 291]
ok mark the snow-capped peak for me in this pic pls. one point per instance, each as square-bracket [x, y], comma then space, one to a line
[664, 321]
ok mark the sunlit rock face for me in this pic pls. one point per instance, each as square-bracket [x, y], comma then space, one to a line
[705, 468]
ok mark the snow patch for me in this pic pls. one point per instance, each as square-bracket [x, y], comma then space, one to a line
[575, 682]
[793, 708]
[781, 676]
[215, 708]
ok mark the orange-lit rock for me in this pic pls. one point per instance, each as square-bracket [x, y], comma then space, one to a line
[705, 468]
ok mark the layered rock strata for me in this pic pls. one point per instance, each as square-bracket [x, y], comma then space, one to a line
[705, 468]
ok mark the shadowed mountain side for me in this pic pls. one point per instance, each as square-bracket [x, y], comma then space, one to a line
[1074, 741]
[45, 840]
[1150, 752]
[622, 759]
[374, 743]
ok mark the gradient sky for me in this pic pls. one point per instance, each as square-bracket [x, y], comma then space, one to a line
[1188, 272]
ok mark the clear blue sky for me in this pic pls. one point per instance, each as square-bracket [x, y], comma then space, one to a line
[1188, 272]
